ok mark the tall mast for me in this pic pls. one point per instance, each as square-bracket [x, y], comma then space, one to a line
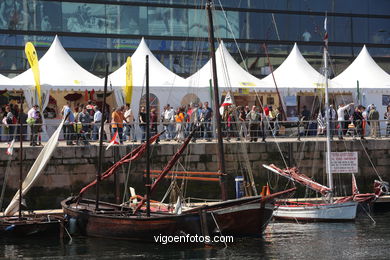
[147, 138]
[100, 162]
[221, 158]
[20, 156]
[327, 118]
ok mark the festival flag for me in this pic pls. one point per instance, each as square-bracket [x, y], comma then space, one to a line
[128, 90]
[32, 57]
[228, 100]
[114, 140]
[326, 31]
[10, 148]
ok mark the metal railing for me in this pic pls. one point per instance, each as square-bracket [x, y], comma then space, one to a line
[178, 131]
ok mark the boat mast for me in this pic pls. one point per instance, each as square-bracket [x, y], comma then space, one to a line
[20, 156]
[221, 157]
[147, 138]
[100, 162]
[327, 118]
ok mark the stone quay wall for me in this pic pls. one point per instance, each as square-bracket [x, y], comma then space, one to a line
[74, 166]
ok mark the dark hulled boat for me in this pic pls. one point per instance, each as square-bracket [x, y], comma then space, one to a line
[114, 221]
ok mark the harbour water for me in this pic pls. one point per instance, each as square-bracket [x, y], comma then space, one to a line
[362, 239]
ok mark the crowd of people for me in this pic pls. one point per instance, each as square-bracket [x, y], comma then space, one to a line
[82, 124]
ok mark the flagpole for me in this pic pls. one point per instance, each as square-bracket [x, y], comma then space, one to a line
[20, 156]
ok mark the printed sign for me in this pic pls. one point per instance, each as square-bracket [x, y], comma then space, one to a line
[344, 162]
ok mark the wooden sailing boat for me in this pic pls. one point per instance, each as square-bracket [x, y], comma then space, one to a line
[31, 224]
[99, 219]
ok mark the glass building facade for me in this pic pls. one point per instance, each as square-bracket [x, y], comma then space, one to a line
[97, 32]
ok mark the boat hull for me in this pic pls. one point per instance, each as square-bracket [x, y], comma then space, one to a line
[321, 212]
[241, 217]
[124, 225]
[28, 227]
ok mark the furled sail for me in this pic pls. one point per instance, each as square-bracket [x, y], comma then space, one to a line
[294, 175]
[36, 170]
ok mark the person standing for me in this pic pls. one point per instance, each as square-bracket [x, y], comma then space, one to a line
[207, 115]
[31, 118]
[341, 118]
[68, 124]
[154, 123]
[9, 119]
[332, 121]
[242, 121]
[254, 122]
[168, 122]
[179, 118]
[142, 123]
[85, 119]
[193, 119]
[129, 127]
[373, 117]
[97, 120]
[387, 117]
[117, 123]
[358, 121]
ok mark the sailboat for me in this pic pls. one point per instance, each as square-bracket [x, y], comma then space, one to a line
[30, 224]
[329, 208]
[100, 219]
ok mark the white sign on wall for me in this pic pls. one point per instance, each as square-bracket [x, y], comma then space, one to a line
[344, 162]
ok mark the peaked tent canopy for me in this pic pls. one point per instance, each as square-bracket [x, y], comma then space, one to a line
[364, 69]
[160, 76]
[230, 73]
[165, 85]
[58, 71]
[6, 83]
[295, 74]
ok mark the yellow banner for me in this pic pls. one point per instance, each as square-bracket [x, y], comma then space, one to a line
[128, 90]
[32, 57]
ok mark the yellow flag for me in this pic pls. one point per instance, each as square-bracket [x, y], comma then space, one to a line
[128, 90]
[32, 57]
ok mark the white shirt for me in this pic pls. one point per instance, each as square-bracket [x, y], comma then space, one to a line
[169, 114]
[97, 117]
[129, 116]
[31, 113]
[341, 113]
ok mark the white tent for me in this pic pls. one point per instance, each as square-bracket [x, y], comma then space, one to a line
[364, 69]
[164, 84]
[230, 74]
[58, 71]
[374, 82]
[295, 74]
[6, 83]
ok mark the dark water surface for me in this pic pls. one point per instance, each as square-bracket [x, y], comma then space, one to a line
[359, 240]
